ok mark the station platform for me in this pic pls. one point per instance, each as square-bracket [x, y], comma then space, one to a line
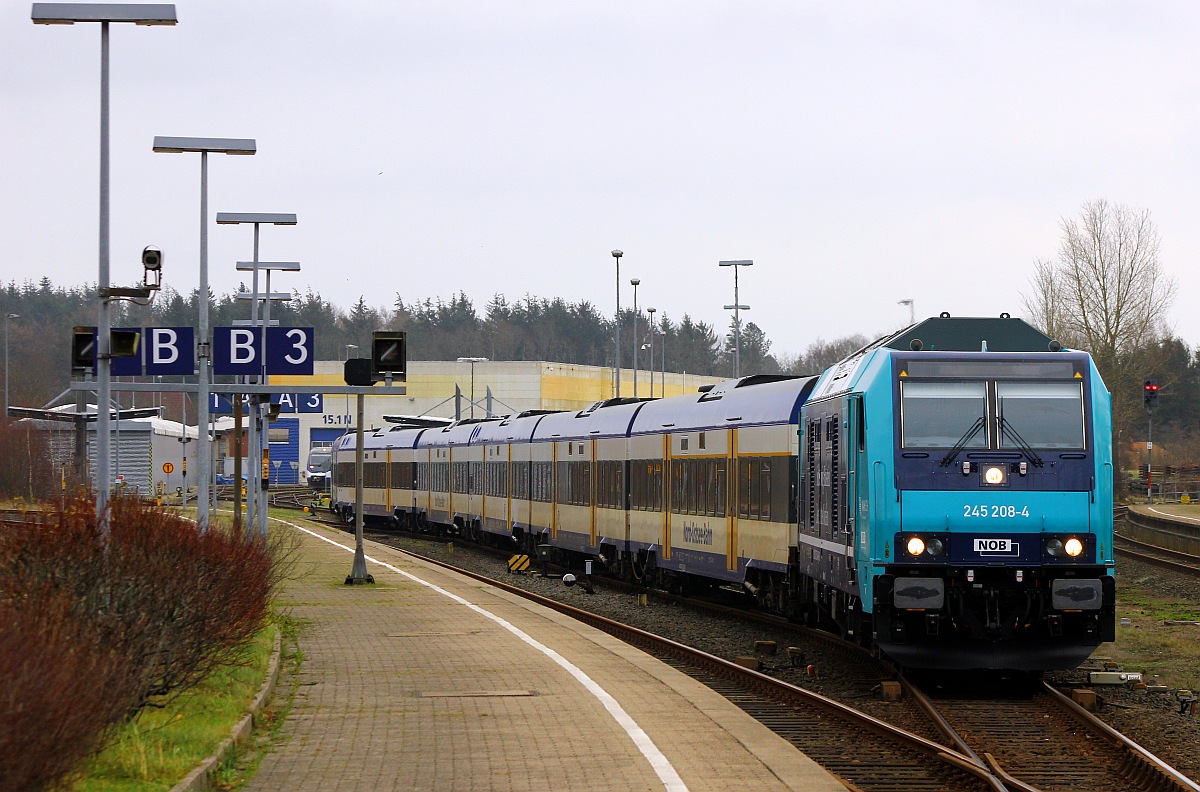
[429, 680]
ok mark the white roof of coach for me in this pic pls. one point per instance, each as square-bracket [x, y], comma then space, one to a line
[730, 403]
[598, 420]
[460, 434]
[518, 429]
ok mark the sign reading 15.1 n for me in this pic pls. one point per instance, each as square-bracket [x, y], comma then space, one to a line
[240, 350]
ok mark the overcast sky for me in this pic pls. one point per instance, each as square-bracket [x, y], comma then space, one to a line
[859, 153]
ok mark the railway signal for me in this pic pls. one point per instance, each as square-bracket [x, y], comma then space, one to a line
[83, 349]
[388, 355]
[1150, 393]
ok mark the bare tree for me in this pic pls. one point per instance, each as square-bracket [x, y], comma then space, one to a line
[1108, 292]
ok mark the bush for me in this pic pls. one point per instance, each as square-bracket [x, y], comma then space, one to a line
[26, 470]
[161, 602]
[62, 689]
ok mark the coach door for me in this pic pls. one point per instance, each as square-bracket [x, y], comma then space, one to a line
[854, 461]
[731, 484]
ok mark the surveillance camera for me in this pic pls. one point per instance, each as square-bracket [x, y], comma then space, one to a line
[152, 258]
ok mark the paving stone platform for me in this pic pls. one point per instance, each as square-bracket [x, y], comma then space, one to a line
[429, 680]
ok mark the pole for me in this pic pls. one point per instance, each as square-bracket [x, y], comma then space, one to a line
[237, 462]
[184, 439]
[652, 362]
[7, 317]
[253, 435]
[264, 411]
[1149, 455]
[103, 359]
[617, 255]
[358, 574]
[635, 282]
[202, 418]
[737, 329]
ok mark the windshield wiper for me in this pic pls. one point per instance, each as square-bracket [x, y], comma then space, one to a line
[962, 441]
[1007, 427]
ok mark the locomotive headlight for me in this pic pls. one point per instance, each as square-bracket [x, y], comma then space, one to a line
[994, 475]
[1054, 547]
[1073, 547]
[916, 545]
[934, 546]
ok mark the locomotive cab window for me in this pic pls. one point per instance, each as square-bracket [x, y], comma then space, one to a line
[997, 414]
[943, 414]
[1040, 415]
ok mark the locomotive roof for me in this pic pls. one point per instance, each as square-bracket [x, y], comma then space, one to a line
[969, 334]
[745, 402]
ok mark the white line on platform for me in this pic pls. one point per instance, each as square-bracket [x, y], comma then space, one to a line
[662, 766]
[1171, 516]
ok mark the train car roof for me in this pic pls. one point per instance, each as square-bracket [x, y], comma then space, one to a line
[400, 436]
[749, 401]
[603, 419]
[517, 428]
[386, 437]
[459, 434]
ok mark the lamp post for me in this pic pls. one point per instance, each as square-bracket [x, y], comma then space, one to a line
[634, 282]
[617, 255]
[651, 312]
[203, 146]
[262, 413]
[104, 13]
[912, 320]
[736, 307]
[253, 434]
[472, 361]
[7, 316]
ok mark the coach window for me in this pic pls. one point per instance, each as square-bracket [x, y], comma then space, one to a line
[943, 414]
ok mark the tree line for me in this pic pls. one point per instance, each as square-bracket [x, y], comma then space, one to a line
[1106, 291]
[41, 317]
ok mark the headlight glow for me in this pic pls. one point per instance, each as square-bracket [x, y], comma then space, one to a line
[916, 545]
[1073, 547]
[1054, 547]
[994, 475]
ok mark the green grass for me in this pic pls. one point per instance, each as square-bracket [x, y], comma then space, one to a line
[161, 746]
[1170, 653]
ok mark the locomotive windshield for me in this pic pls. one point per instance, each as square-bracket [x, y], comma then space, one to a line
[1000, 415]
[943, 414]
[1040, 415]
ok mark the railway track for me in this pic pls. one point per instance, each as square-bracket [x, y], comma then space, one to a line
[1153, 554]
[1184, 563]
[1038, 742]
[1047, 742]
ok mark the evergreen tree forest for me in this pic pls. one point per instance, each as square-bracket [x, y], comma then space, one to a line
[42, 315]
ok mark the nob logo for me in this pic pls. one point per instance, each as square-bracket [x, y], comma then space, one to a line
[996, 547]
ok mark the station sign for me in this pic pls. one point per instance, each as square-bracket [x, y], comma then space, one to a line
[162, 351]
[239, 351]
[220, 404]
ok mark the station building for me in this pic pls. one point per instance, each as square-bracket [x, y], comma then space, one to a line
[451, 389]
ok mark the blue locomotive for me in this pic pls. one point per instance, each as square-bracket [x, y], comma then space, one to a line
[944, 494]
